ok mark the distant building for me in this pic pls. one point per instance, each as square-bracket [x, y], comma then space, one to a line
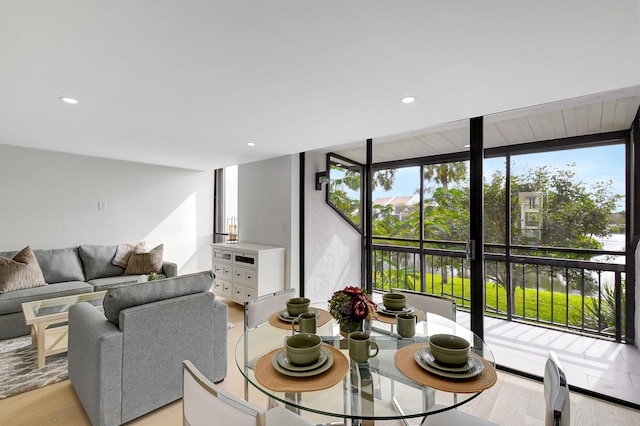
[530, 214]
[399, 203]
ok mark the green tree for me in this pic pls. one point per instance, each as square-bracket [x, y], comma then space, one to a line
[445, 173]
[571, 216]
[447, 210]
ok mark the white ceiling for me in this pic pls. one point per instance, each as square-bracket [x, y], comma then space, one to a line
[188, 84]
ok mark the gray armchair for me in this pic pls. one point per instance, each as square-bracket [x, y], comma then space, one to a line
[129, 363]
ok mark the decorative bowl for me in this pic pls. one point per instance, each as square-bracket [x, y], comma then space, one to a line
[297, 306]
[394, 301]
[303, 348]
[449, 349]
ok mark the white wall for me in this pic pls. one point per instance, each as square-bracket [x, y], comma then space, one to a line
[50, 200]
[332, 249]
[268, 206]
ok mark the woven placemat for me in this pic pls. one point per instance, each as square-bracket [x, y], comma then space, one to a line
[407, 364]
[391, 319]
[268, 377]
[323, 318]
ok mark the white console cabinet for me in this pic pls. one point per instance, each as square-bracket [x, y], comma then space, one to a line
[245, 271]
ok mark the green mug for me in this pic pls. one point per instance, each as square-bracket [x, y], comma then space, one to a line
[361, 346]
[406, 324]
[306, 323]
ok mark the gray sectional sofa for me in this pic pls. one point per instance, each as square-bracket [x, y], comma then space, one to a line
[128, 361]
[67, 271]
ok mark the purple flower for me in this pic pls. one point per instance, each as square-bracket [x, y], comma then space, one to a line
[360, 309]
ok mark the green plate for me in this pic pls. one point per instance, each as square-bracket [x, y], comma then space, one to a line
[285, 363]
[475, 369]
[284, 315]
[406, 310]
[324, 367]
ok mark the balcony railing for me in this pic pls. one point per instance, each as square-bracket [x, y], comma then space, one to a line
[575, 295]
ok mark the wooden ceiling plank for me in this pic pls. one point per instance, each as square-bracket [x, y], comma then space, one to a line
[594, 118]
[608, 115]
[570, 121]
[559, 128]
[526, 132]
[540, 132]
[493, 137]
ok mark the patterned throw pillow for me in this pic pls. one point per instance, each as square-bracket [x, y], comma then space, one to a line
[20, 272]
[123, 253]
[145, 263]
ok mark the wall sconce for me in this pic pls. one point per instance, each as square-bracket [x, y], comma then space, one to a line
[321, 179]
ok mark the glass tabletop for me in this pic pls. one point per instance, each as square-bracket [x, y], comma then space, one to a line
[58, 305]
[375, 389]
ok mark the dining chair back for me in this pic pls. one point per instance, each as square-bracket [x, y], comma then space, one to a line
[444, 306]
[204, 403]
[426, 303]
[257, 311]
[556, 393]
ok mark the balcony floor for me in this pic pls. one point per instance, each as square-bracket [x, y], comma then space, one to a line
[608, 368]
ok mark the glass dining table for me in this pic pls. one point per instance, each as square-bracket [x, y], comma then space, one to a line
[397, 383]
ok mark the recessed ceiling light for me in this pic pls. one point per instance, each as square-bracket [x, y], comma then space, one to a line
[467, 146]
[251, 144]
[68, 100]
[408, 99]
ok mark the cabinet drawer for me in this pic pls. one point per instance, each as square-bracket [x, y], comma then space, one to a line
[247, 260]
[223, 256]
[243, 293]
[245, 276]
[223, 288]
[223, 271]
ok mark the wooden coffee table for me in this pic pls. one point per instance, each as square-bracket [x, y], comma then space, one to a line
[41, 314]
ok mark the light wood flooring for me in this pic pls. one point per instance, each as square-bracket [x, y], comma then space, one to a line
[512, 401]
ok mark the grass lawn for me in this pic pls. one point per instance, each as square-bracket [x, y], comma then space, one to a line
[542, 305]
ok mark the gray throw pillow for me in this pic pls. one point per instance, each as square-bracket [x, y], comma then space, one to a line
[126, 296]
[97, 261]
[60, 265]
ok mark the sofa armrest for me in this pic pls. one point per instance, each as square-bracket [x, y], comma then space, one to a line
[169, 269]
[95, 363]
[220, 321]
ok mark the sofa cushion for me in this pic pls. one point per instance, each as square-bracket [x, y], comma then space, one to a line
[8, 254]
[96, 261]
[20, 272]
[12, 302]
[123, 253]
[60, 265]
[126, 296]
[145, 263]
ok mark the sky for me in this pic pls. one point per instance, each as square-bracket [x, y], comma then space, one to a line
[592, 165]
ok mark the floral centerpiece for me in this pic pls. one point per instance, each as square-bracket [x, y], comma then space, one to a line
[351, 306]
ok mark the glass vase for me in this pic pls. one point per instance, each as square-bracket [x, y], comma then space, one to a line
[349, 326]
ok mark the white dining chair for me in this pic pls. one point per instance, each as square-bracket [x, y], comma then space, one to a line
[455, 417]
[257, 311]
[440, 305]
[443, 306]
[204, 404]
[556, 393]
